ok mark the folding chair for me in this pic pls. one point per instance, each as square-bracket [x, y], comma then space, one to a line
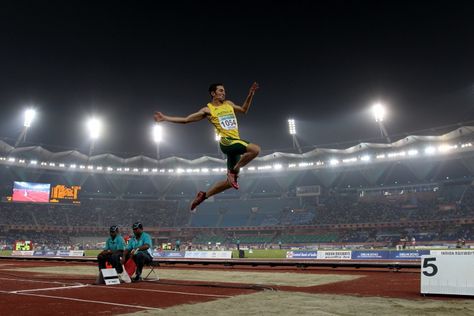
[152, 265]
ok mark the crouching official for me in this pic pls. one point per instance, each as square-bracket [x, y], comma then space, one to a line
[112, 253]
[139, 249]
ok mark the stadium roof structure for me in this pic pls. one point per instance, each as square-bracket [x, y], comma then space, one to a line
[458, 139]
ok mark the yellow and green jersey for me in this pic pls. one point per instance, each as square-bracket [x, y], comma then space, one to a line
[224, 120]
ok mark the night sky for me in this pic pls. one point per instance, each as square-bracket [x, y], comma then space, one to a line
[323, 63]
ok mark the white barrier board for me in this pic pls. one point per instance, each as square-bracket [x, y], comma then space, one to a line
[449, 273]
[335, 254]
[208, 254]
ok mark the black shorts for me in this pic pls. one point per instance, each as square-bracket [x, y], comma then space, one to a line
[233, 148]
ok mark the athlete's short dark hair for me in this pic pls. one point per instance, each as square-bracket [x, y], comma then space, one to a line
[213, 87]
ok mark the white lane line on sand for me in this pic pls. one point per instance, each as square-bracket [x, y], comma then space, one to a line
[50, 288]
[38, 281]
[163, 291]
[82, 301]
[120, 288]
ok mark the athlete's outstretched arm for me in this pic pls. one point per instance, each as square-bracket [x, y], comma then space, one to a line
[201, 114]
[245, 107]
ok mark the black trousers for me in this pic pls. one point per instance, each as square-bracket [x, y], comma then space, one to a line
[113, 258]
[141, 258]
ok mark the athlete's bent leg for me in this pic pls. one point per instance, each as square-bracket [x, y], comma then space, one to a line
[216, 188]
[252, 152]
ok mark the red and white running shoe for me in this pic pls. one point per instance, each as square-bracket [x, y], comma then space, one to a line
[232, 178]
[200, 197]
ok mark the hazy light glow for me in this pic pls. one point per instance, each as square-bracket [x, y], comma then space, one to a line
[217, 137]
[95, 128]
[292, 126]
[446, 148]
[29, 117]
[333, 162]
[349, 160]
[157, 133]
[430, 150]
[378, 110]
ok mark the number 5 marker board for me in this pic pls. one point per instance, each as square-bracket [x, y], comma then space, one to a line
[448, 272]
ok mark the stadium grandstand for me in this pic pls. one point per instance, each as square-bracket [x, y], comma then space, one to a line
[368, 195]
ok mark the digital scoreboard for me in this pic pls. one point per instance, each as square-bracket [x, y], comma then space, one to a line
[23, 245]
[61, 193]
[32, 192]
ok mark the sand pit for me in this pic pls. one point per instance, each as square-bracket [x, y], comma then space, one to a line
[245, 277]
[293, 303]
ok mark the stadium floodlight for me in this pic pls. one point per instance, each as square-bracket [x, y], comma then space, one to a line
[379, 113]
[94, 126]
[217, 137]
[378, 110]
[157, 133]
[292, 130]
[157, 138]
[292, 126]
[29, 117]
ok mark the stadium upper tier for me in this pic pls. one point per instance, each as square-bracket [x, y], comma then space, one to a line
[454, 144]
